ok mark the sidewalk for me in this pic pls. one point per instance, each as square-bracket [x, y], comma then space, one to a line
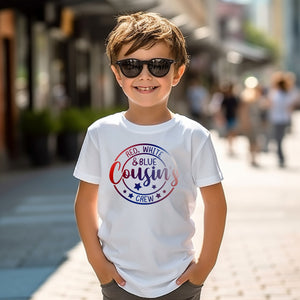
[37, 227]
[259, 258]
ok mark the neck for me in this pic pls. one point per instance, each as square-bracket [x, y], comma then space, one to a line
[148, 116]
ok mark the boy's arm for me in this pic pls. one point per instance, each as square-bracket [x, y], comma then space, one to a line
[87, 222]
[214, 223]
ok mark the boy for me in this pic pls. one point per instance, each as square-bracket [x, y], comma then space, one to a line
[139, 171]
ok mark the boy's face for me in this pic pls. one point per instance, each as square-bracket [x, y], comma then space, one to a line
[146, 90]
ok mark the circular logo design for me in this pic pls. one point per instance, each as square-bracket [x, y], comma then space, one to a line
[144, 174]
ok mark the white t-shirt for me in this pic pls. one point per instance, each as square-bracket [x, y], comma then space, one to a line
[148, 178]
[281, 107]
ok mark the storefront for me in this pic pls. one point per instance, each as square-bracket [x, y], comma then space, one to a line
[8, 112]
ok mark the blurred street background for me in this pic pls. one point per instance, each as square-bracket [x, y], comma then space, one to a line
[55, 80]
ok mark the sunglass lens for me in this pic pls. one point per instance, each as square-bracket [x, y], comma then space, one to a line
[159, 67]
[130, 68]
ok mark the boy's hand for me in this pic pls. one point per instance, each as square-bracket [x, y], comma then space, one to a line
[108, 273]
[194, 274]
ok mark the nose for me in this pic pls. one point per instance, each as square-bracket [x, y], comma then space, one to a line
[145, 74]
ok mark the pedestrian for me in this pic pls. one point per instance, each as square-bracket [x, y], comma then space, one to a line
[281, 105]
[293, 89]
[229, 108]
[197, 96]
[215, 112]
[139, 171]
[250, 117]
[265, 127]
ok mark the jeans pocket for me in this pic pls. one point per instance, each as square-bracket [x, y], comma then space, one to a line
[196, 286]
[106, 285]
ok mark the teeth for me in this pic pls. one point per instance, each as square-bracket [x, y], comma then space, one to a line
[149, 88]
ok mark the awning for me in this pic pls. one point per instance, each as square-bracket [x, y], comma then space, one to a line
[240, 51]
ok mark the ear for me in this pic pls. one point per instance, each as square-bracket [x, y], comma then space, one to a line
[178, 75]
[117, 74]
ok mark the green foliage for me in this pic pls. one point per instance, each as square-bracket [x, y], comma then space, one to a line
[37, 123]
[257, 37]
[92, 115]
[71, 120]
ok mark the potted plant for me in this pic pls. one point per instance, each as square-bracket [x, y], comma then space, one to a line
[37, 128]
[71, 124]
[91, 115]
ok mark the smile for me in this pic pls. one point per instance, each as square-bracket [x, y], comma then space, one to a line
[145, 89]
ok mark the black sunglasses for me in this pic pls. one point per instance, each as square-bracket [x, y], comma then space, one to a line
[158, 67]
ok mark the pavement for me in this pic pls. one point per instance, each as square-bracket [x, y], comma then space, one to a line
[37, 227]
[41, 257]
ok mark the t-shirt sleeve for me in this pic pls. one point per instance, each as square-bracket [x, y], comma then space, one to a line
[205, 167]
[88, 165]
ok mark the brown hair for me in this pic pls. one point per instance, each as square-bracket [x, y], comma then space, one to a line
[144, 30]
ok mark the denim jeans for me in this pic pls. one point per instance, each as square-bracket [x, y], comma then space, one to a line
[187, 291]
[279, 133]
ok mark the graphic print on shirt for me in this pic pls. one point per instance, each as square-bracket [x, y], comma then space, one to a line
[144, 174]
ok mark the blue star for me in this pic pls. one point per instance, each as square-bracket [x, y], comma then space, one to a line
[154, 186]
[158, 196]
[137, 186]
[131, 195]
